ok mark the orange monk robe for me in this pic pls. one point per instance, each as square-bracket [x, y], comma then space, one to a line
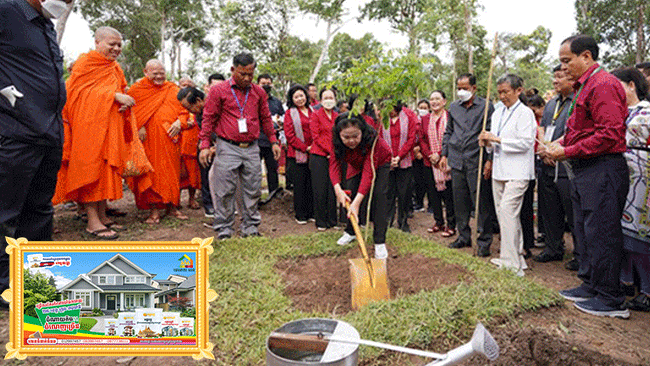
[156, 108]
[97, 137]
[190, 171]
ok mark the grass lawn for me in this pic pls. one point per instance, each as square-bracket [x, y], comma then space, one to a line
[87, 323]
[251, 302]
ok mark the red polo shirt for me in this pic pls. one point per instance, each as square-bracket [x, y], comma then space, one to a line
[321, 132]
[359, 163]
[221, 112]
[597, 125]
[293, 142]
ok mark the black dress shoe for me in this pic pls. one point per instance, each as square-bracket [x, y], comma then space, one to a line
[527, 254]
[483, 252]
[548, 257]
[458, 244]
[572, 265]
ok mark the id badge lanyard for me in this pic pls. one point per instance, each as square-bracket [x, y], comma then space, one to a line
[502, 124]
[241, 122]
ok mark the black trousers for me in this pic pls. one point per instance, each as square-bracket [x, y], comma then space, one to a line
[555, 204]
[303, 196]
[266, 153]
[28, 176]
[378, 207]
[399, 188]
[324, 197]
[527, 216]
[464, 191]
[598, 194]
[206, 197]
[421, 183]
[436, 199]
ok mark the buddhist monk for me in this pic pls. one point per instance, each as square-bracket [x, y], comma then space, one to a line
[160, 118]
[98, 133]
[190, 171]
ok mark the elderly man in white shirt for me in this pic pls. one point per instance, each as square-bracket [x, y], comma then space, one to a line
[512, 142]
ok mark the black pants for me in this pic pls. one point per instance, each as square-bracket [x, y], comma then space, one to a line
[555, 203]
[271, 164]
[527, 216]
[598, 194]
[27, 183]
[324, 197]
[399, 188]
[303, 196]
[378, 207]
[464, 191]
[206, 197]
[436, 199]
[421, 183]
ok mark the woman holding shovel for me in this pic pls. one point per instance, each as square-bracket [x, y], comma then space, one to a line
[353, 142]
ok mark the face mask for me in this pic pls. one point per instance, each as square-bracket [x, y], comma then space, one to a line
[464, 95]
[328, 103]
[267, 89]
[423, 112]
[53, 9]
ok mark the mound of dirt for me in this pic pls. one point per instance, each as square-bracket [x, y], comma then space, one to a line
[323, 283]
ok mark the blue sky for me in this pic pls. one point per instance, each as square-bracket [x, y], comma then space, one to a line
[161, 263]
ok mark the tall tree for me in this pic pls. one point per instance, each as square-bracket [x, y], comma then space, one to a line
[344, 50]
[62, 21]
[622, 25]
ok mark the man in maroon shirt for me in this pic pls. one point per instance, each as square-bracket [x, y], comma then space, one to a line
[235, 110]
[594, 143]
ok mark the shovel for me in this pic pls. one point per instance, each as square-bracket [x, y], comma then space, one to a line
[368, 276]
[482, 343]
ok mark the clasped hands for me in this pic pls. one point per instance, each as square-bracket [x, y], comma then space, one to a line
[550, 152]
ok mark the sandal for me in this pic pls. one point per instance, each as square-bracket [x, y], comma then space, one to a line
[178, 215]
[83, 217]
[96, 234]
[115, 226]
[152, 220]
[434, 229]
[448, 232]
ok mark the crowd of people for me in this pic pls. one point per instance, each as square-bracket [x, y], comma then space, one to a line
[584, 151]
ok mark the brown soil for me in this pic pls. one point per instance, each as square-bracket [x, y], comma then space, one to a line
[323, 283]
[557, 336]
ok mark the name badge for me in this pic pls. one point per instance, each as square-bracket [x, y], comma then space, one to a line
[548, 134]
[243, 126]
[497, 149]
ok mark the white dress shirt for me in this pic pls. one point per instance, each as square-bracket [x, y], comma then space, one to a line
[514, 157]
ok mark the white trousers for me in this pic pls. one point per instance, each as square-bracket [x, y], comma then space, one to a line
[508, 199]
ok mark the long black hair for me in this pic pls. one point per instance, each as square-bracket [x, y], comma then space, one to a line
[294, 88]
[640, 83]
[345, 120]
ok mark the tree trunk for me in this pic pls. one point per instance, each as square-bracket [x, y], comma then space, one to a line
[323, 53]
[178, 55]
[163, 22]
[640, 36]
[61, 22]
[470, 36]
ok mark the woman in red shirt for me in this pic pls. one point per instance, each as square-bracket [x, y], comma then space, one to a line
[353, 143]
[298, 134]
[321, 124]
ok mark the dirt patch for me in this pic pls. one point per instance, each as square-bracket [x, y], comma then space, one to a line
[323, 283]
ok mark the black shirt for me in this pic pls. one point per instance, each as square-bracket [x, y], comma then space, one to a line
[275, 106]
[460, 141]
[31, 61]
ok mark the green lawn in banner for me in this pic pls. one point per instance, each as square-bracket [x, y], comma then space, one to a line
[251, 302]
[87, 323]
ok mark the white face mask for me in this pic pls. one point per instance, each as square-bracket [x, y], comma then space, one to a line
[53, 9]
[328, 103]
[423, 112]
[464, 95]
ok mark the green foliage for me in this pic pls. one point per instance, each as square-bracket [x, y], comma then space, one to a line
[344, 50]
[87, 323]
[97, 312]
[189, 313]
[37, 289]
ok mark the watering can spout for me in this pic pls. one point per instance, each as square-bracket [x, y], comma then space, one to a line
[482, 343]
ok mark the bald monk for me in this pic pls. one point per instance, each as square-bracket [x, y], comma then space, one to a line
[98, 133]
[160, 118]
[190, 171]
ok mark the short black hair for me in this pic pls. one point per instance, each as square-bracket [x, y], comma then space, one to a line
[581, 43]
[264, 76]
[320, 94]
[468, 76]
[292, 90]
[216, 76]
[339, 104]
[345, 120]
[191, 93]
[243, 59]
[534, 100]
[557, 68]
[424, 101]
[643, 65]
[631, 74]
[444, 96]
[310, 85]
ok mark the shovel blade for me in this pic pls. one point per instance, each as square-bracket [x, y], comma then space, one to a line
[363, 290]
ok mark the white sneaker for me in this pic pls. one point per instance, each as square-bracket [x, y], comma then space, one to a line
[346, 239]
[301, 222]
[380, 251]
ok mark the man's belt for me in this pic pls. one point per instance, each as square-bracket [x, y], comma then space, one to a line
[243, 145]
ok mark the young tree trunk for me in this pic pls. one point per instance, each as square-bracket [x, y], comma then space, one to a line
[640, 36]
[163, 22]
[323, 53]
[61, 22]
[470, 36]
[178, 53]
